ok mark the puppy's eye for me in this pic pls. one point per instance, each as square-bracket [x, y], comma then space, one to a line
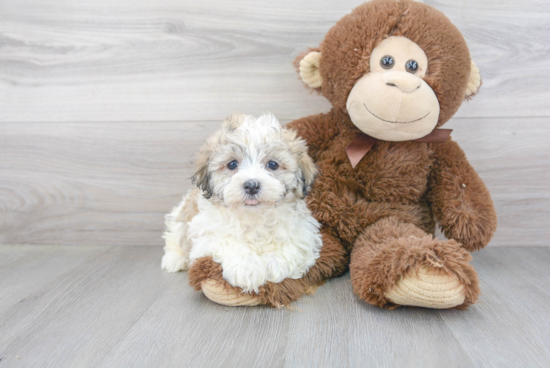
[387, 62]
[232, 165]
[272, 165]
[411, 66]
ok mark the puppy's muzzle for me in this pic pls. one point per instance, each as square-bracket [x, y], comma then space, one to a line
[251, 187]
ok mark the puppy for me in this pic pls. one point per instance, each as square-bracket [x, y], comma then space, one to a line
[248, 212]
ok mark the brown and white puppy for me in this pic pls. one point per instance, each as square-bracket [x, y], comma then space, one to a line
[248, 211]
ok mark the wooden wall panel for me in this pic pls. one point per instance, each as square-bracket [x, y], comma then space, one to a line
[111, 183]
[103, 104]
[93, 183]
[172, 60]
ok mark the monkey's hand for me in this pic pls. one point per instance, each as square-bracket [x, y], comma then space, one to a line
[460, 200]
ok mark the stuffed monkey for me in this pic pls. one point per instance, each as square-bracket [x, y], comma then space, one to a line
[394, 72]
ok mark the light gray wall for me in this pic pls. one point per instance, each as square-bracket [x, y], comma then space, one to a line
[103, 104]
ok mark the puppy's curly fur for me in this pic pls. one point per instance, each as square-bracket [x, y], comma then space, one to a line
[248, 216]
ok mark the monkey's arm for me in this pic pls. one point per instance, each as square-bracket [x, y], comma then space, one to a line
[460, 200]
[317, 130]
[345, 213]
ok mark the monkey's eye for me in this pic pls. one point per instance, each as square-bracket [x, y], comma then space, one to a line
[411, 66]
[387, 62]
[272, 165]
[232, 165]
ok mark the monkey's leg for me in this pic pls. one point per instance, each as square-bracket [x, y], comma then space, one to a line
[395, 263]
[206, 275]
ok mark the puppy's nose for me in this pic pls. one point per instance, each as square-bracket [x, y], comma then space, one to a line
[251, 187]
[406, 82]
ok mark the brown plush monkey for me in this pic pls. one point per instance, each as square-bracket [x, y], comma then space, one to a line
[394, 71]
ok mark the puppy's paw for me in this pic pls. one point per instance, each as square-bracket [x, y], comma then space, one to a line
[277, 268]
[248, 274]
[206, 275]
[174, 262]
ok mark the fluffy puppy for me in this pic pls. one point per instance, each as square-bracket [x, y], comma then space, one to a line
[248, 211]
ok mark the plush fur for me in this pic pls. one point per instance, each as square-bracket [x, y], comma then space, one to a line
[348, 45]
[411, 183]
[385, 210]
[379, 217]
[255, 238]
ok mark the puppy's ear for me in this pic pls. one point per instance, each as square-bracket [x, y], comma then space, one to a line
[234, 121]
[307, 170]
[201, 177]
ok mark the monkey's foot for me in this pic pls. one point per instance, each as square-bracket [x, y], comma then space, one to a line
[232, 297]
[429, 288]
[414, 270]
[207, 276]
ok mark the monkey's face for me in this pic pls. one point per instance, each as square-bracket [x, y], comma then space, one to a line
[392, 102]
[399, 68]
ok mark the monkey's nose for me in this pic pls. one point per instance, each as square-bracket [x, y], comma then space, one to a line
[251, 187]
[406, 82]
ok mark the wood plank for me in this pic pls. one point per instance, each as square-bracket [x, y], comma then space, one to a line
[34, 268]
[99, 183]
[79, 316]
[94, 183]
[117, 308]
[134, 60]
[511, 322]
[343, 331]
[184, 326]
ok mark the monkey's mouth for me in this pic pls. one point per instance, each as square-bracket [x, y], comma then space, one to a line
[395, 122]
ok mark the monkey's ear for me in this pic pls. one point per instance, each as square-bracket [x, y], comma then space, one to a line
[308, 67]
[474, 82]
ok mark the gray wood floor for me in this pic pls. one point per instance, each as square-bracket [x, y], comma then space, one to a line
[104, 103]
[92, 306]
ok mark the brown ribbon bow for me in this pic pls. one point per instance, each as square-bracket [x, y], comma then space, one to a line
[359, 147]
